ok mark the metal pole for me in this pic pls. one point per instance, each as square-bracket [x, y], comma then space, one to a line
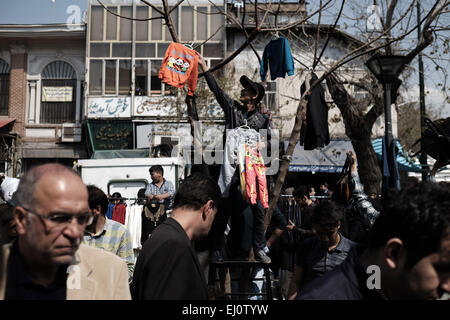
[423, 155]
[388, 129]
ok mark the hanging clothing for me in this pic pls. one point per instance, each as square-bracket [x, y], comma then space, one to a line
[314, 132]
[234, 138]
[133, 222]
[241, 161]
[109, 212]
[255, 177]
[180, 65]
[119, 213]
[151, 218]
[278, 56]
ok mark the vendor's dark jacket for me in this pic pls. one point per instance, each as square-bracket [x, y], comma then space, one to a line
[234, 111]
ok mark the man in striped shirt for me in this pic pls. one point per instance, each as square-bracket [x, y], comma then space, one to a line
[107, 234]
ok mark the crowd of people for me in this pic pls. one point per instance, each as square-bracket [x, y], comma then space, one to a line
[58, 242]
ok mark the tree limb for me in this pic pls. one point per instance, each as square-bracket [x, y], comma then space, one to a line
[169, 22]
[154, 7]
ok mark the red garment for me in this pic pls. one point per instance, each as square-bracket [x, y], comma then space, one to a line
[180, 64]
[255, 172]
[119, 213]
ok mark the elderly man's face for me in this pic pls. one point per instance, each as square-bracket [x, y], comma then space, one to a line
[51, 241]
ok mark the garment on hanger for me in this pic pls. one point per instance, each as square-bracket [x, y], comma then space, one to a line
[315, 132]
[133, 223]
[278, 56]
[119, 213]
[109, 212]
[255, 177]
[241, 161]
[235, 137]
[180, 65]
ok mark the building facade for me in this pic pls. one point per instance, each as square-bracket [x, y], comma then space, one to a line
[42, 85]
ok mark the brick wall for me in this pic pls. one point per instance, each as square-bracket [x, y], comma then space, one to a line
[18, 91]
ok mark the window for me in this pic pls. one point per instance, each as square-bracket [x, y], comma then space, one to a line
[95, 77]
[125, 24]
[96, 23]
[4, 87]
[110, 77]
[141, 74]
[111, 24]
[187, 17]
[121, 50]
[111, 44]
[155, 84]
[142, 26]
[202, 23]
[217, 21]
[156, 26]
[58, 98]
[124, 77]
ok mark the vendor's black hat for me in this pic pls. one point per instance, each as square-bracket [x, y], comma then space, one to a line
[253, 86]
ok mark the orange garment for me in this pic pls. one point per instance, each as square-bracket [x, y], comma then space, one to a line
[180, 65]
[255, 173]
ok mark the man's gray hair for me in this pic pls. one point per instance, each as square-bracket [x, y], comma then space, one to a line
[24, 195]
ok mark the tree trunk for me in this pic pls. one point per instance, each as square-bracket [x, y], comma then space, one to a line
[359, 132]
[368, 167]
[284, 165]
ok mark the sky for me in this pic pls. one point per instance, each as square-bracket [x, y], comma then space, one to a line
[354, 21]
[70, 11]
[38, 11]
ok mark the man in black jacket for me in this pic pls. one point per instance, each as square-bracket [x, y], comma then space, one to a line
[237, 114]
[167, 267]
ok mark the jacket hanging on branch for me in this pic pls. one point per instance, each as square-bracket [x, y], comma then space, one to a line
[315, 133]
[180, 65]
[278, 56]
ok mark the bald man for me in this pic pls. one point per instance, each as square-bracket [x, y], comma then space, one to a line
[47, 261]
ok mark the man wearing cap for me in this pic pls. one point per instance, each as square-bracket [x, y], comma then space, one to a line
[237, 114]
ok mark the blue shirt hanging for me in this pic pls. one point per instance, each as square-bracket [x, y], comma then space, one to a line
[278, 56]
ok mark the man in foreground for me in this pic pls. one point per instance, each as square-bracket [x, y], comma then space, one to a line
[47, 262]
[167, 267]
[408, 255]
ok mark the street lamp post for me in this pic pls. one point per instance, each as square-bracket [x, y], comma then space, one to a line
[387, 69]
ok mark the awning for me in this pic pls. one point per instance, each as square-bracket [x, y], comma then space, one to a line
[329, 159]
[5, 122]
[404, 162]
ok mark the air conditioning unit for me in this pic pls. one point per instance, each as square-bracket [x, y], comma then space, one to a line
[71, 132]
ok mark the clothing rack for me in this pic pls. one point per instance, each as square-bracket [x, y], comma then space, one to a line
[316, 197]
[111, 199]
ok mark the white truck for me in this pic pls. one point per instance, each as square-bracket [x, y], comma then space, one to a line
[128, 175]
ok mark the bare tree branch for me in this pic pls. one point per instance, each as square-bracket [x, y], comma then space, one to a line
[169, 22]
[176, 6]
[127, 18]
[328, 36]
[153, 7]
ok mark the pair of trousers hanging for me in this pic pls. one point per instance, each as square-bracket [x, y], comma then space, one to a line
[255, 173]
